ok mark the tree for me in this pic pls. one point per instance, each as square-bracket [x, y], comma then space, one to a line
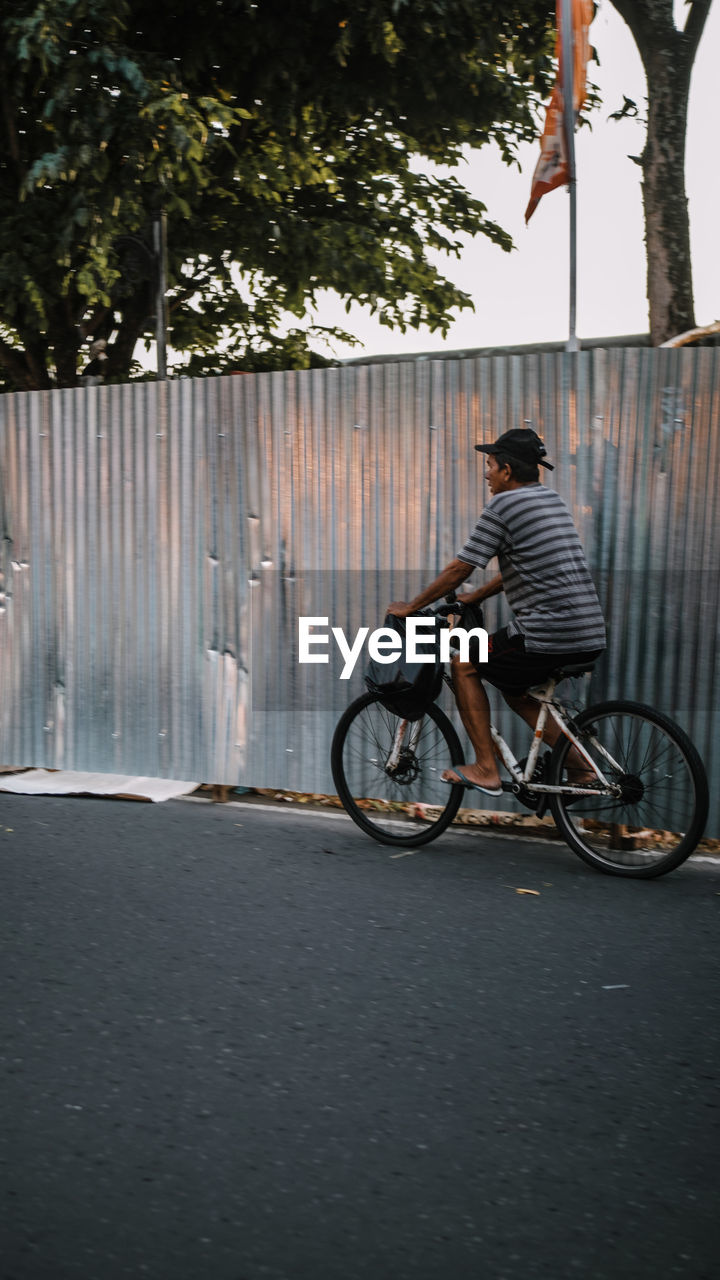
[286, 145]
[668, 55]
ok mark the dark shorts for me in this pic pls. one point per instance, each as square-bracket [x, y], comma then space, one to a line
[511, 669]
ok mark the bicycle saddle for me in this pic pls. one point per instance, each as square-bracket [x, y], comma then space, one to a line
[572, 669]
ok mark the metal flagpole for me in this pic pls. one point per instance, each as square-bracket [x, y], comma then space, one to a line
[160, 245]
[572, 343]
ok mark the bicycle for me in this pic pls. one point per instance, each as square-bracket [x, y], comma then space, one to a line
[641, 815]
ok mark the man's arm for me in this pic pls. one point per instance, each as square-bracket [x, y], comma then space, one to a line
[491, 588]
[452, 575]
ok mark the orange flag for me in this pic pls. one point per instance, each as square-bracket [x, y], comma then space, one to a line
[552, 169]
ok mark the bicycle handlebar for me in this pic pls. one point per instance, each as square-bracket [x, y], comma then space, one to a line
[456, 605]
[452, 605]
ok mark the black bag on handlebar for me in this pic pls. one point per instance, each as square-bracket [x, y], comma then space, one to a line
[408, 688]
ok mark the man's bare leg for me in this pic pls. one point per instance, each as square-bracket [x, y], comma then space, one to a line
[474, 708]
[528, 709]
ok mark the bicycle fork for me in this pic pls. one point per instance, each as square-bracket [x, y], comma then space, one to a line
[405, 739]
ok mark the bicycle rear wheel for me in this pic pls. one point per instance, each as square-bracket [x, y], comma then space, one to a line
[388, 772]
[659, 816]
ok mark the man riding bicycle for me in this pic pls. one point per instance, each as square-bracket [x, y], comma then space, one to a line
[544, 574]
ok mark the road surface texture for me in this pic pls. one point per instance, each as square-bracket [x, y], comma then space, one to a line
[241, 1044]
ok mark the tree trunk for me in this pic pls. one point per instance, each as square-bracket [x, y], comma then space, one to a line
[667, 221]
[65, 350]
[667, 55]
[14, 362]
[134, 318]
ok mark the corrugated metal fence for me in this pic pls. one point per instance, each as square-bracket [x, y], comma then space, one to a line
[160, 541]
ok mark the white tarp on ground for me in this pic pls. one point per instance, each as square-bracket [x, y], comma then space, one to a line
[43, 782]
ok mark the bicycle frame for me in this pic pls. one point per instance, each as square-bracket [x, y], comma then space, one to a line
[548, 708]
[544, 695]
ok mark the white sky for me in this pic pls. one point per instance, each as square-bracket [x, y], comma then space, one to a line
[523, 296]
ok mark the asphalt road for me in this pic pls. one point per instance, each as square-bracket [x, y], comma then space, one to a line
[239, 1044]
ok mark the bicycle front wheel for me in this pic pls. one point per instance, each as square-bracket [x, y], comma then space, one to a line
[388, 772]
[658, 817]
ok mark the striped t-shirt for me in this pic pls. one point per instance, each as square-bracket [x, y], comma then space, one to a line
[544, 571]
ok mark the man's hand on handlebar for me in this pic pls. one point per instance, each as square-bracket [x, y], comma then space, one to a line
[401, 609]
[453, 604]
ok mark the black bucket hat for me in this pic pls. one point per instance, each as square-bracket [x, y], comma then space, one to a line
[521, 443]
